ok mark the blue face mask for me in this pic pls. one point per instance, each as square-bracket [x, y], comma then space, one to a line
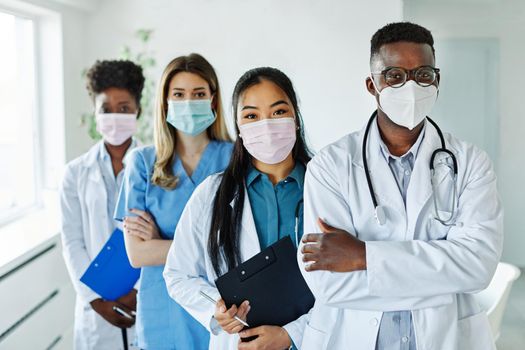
[190, 116]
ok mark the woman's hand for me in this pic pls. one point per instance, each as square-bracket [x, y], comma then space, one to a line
[143, 225]
[268, 338]
[225, 316]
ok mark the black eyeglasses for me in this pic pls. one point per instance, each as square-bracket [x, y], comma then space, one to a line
[397, 76]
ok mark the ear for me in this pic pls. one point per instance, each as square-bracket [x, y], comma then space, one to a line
[139, 112]
[370, 86]
[213, 102]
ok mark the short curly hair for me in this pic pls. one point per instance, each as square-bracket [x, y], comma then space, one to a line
[400, 31]
[122, 74]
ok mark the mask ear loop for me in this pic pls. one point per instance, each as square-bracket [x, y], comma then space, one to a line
[212, 100]
[374, 84]
[378, 93]
[295, 121]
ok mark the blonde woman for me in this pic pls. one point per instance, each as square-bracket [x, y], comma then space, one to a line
[191, 142]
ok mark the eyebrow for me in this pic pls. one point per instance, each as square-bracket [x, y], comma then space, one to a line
[106, 103]
[415, 68]
[272, 105]
[197, 88]
[278, 103]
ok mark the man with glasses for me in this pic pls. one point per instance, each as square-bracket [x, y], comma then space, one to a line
[403, 222]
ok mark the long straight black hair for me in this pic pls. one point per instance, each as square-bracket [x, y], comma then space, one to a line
[223, 243]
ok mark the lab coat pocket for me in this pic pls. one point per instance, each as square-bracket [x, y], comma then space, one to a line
[474, 333]
[314, 339]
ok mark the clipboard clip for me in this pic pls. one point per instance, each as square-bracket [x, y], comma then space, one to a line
[256, 264]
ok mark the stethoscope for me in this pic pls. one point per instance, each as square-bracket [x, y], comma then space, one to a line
[379, 210]
[297, 209]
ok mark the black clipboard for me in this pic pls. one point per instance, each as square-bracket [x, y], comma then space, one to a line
[273, 284]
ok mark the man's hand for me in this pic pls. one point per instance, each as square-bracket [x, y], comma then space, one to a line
[143, 225]
[268, 338]
[333, 250]
[225, 317]
[105, 309]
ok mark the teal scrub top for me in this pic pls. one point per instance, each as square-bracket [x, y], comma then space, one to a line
[277, 210]
[161, 323]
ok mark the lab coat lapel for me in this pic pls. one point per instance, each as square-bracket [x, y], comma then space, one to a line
[420, 187]
[95, 186]
[92, 166]
[249, 241]
[385, 185]
[95, 194]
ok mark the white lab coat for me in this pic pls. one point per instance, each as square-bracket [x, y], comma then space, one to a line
[85, 229]
[413, 261]
[189, 269]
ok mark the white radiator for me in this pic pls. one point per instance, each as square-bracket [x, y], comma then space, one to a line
[37, 302]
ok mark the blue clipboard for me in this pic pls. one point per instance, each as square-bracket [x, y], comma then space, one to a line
[110, 274]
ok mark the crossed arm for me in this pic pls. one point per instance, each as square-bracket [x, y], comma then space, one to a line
[343, 271]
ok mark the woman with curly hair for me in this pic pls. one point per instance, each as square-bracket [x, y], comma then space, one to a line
[88, 196]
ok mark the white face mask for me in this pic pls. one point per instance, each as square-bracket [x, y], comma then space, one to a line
[269, 140]
[116, 128]
[409, 104]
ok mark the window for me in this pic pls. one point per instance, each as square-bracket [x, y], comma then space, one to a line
[19, 141]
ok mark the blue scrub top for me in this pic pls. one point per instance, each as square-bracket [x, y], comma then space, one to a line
[161, 323]
[277, 210]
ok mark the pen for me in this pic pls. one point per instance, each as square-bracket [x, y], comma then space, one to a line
[122, 312]
[210, 299]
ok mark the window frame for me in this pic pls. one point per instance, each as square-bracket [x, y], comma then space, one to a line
[18, 212]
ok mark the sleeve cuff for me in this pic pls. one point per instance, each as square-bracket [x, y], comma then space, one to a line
[374, 254]
[215, 328]
[294, 338]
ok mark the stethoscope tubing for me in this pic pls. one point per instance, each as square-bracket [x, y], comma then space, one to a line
[379, 212]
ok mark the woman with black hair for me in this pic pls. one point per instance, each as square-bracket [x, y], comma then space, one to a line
[88, 197]
[233, 215]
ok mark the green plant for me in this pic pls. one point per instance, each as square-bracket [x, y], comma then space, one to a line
[145, 59]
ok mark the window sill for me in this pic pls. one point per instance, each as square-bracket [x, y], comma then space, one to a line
[30, 234]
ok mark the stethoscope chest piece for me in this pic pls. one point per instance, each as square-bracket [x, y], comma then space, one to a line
[380, 215]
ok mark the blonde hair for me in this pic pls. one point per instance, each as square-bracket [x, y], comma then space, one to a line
[164, 134]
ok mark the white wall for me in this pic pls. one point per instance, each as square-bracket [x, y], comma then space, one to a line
[74, 47]
[322, 45]
[505, 21]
